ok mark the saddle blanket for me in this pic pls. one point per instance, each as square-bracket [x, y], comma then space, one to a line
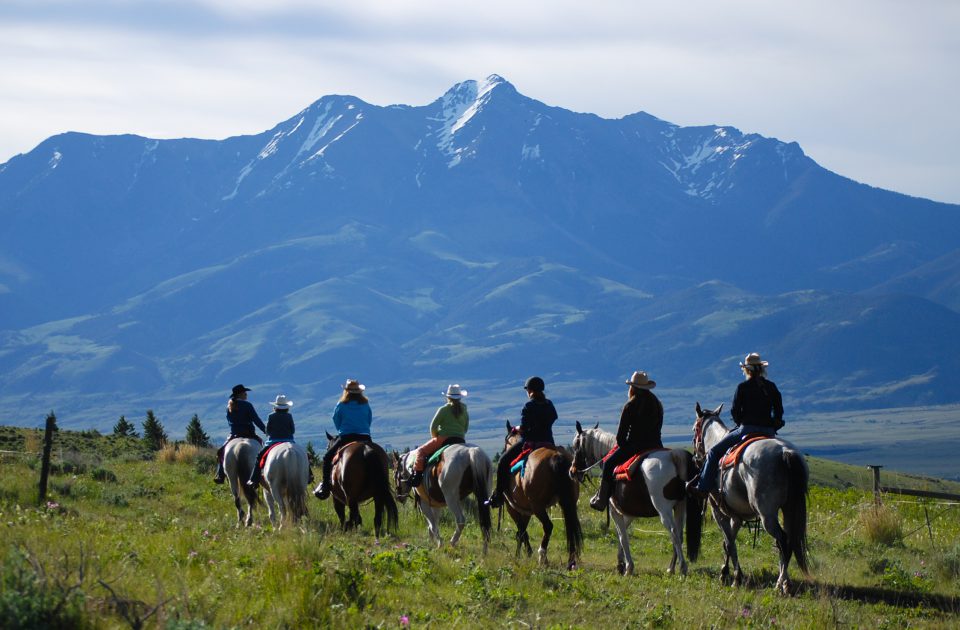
[626, 470]
[519, 463]
[336, 456]
[266, 451]
[734, 454]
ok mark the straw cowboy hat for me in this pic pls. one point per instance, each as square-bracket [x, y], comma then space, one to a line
[753, 360]
[640, 380]
[454, 391]
[282, 403]
[353, 386]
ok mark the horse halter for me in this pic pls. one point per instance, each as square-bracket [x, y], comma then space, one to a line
[401, 476]
[699, 449]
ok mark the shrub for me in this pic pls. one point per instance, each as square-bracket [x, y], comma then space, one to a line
[102, 474]
[167, 454]
[948, 565]
[30, 599]
[882, 525]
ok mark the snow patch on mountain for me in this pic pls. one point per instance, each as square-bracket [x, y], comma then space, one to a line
[457, 108]
[702, 161]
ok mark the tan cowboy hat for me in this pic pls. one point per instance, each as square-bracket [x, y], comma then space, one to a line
[455, 391]
[353, 386]
[753, 360]
[281, 402]
[640, 380]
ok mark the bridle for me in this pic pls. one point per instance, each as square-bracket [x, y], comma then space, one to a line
[401, 478]
[579, 467]
[699, 428]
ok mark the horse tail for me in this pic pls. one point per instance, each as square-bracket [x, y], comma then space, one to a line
[693, 509]
[244, 471]
[567, 498]
[482, 471]
[296, 494]
[383, 494]
[795, 509]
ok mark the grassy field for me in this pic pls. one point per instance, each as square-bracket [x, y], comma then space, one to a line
[128, 539]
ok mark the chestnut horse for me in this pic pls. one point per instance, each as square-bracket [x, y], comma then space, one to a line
[771, 476]
[656, 490]
[544, 481]
[360, 474]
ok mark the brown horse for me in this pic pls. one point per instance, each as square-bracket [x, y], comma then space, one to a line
[360, 474]
[544, 481]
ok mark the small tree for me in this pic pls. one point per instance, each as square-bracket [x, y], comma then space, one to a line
[125, 428]
[195, 433]
[311, 454]
[153, 434]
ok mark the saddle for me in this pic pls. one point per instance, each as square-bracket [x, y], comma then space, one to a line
[519, 463]
[629, 468]
[266, 451]
[733, 456]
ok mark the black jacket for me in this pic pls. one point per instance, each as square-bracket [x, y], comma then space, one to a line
[243, 418]
[640, 423]
[536, 421]
[280, 426]
[758, 402]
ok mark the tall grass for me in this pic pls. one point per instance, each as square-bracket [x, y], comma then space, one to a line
[882, 525]
[159, 546]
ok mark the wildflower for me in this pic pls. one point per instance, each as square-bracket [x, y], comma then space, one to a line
[53, 505]
[745, 613]
[206, 533]
[404, 621]
[192, 554]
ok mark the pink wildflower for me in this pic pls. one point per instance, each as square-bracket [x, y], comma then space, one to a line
[404, 621]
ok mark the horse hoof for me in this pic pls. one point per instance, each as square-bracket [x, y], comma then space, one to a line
[621, 568]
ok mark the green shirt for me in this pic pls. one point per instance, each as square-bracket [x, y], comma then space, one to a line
[445, 424]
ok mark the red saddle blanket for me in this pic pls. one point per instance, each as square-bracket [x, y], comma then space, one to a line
[266, 451]
[626, 470]
[528, 448]
[734, 454]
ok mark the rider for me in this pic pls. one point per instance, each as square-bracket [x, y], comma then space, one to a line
[449, 426]
[241, 417]
[536, 429]
[279, 429]
[352, 418]
[641, 420]
[757, 408]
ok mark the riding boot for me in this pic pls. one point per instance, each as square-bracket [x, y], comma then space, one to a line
[600, 499]
[255, 477]
[323, 490]
[693, 488]
[416, 479]
[220, 476]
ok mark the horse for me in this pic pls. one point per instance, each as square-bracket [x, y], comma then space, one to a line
[772, 476]
[360, 474]
[657, 491]
[544, 482]
[239, 459]
[463, 469]
[285, 474]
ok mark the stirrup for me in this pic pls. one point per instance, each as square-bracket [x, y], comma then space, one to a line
[416, 479]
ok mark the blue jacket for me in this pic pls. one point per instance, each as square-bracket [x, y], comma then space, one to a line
[243, 418]
[352, 417]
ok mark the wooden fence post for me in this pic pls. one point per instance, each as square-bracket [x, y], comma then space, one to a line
[876, 483]
[45, 462]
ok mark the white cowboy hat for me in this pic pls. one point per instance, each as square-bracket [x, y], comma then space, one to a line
[640, 380]
[454, 391]
[281, 402]
[353, 386]
[753, 360]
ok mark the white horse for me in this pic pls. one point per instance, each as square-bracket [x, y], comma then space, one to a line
[285, 474]
[463, 469]
[771, 476]
[659, 492]
[239, 458]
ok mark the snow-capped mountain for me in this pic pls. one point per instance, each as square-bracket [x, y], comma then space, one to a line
[483, 236]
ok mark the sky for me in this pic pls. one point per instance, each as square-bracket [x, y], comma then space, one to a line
[870, 89]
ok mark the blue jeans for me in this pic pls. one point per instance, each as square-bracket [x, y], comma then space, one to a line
[708, 476]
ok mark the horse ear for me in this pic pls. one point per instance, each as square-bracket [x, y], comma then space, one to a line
[509, 427]
[699, 410]
[717, 410]
[597, 425]
[579, 428]
[329, 437]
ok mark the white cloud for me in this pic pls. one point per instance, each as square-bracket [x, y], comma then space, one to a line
[866, 87]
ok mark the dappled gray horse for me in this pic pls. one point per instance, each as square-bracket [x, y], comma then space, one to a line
[771, 476]
[239, 458]
[285, 473]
